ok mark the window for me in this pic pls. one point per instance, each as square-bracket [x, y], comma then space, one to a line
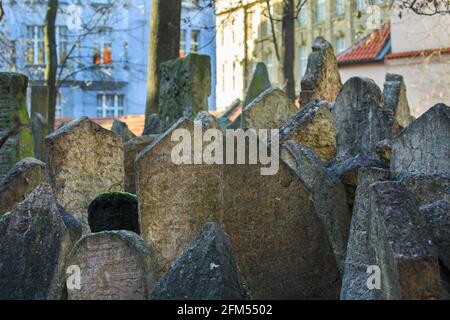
[61, 40]
[103, 47]
[361, 5]
[35, 47]
[270, 67]
[340, 43]
[320, 10]
[265, 28]
[59, 106]
[303, 56]
[303, 16]
[340, 8]
[110, 105]
[195, 41]
[182, 43]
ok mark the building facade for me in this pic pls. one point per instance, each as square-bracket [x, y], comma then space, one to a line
[102, 51]
[341, 22]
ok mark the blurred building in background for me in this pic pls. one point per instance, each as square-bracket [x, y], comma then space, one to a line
[102, 50]
[245, 37]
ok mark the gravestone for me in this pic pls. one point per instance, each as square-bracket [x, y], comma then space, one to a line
[131, 150]
[20, 181]
[360, 121]
[400, 244]
[354, 280]
[114, 265]
[35, 242]
[84, 160]
[175, 200]
[185, 86]
[39, 127]
[396, 101]
[423, 146]
[259, 84]
[329, 195]
[313, 126]
[322, 79]
[428, 188]
[152, 125]
[437, 215]
[205, 270]
[268, 111]
[16, 141]
[121, 129]
[114, 211]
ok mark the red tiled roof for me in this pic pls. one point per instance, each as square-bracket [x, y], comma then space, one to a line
[417, 53]
[367, 49]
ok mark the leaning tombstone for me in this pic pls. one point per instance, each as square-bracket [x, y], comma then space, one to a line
[205, 270]
[396, 101]
[268, 111]
[423, 146]
[322, 79]
[121, 129]
[114, 265]
[84, 160]
[20, 181]
[114, 211]
[16, 141]
[184, 88]
[35, 242]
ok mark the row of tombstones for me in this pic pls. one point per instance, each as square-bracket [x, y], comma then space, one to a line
[360, 184]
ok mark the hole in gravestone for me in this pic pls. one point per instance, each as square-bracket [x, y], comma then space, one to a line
[114, 211]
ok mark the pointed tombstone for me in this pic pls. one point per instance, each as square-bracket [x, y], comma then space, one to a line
[259, 84]
[423, 146]
[184, 88]
[114, 211]
[35, 242]
[360, 121]
[281, 245]
[114, 265]
[16, 141]
[437, 215]
[322, 79]
[205, 270]
[20, 181]
[268, 111]
[330, 200]
[400, 245]
[396, 101]
[131, 150]
[176, 197]
[84, 160]
[354, 280]
[313, 126]
[121, 129]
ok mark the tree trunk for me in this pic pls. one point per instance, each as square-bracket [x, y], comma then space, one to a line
[51, 67]
[2, 13]
[288, 55]
[164, 45]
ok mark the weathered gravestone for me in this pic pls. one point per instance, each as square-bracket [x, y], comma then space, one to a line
[268, 111]
[259, 84]
[313, 126]
[205, 270]
[354, 280]
[39, 119]
[184, 88]
[322, 79]
[114, 211]
[396, 102]
[19, 182]
[329, 195]
[360, 120]
[437, 215]
[84, 160]
[423, 146]
[121, 129]
[131, 150]
[152, 125]
[114, 265]
[35, 243]
[175, 200]
[400, 245]
[16, 141]
[428, 188]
